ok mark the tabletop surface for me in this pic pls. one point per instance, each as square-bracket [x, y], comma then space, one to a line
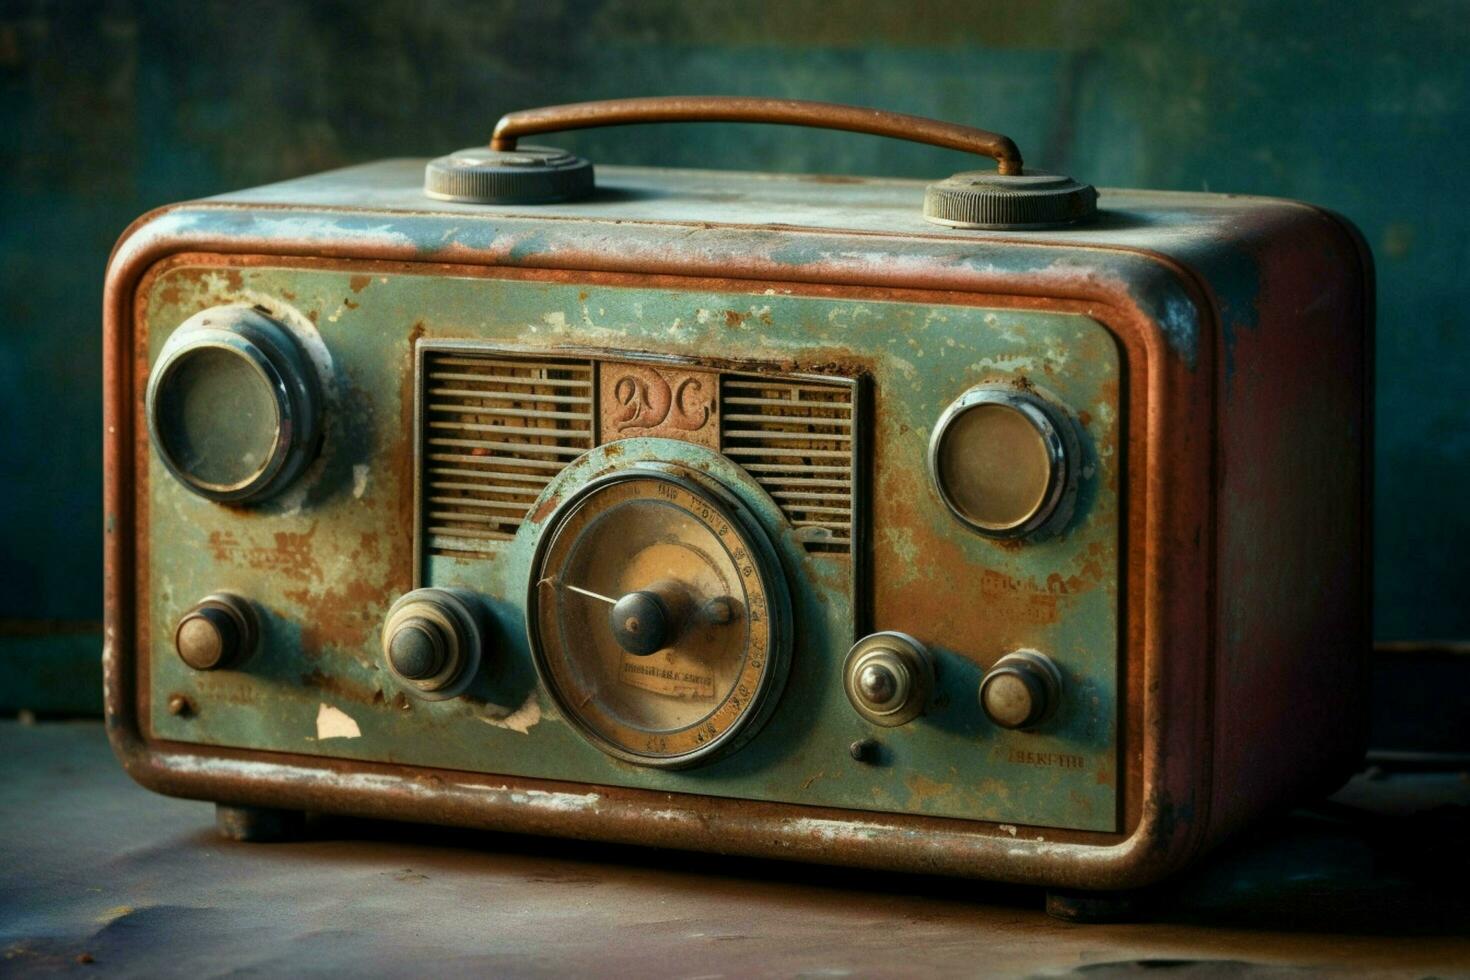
[100, 877]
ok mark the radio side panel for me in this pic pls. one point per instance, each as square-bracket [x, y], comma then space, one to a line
[1294, 371]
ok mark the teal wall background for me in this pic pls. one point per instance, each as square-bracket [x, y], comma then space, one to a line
[109, 109]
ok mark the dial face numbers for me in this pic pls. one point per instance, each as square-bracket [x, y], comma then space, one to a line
[640, 562]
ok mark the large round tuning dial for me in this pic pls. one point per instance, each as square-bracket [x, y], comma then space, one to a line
[889, 678]
[1004, 461]
[220, 631]
[433, 642]
[1022, 690]
[234, 405]
[658, 616]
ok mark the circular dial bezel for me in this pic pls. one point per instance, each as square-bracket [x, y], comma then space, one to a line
[1056, 438]
[276, 358]
[765, 654]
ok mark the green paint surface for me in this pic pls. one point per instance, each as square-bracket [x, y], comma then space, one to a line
[324, 562]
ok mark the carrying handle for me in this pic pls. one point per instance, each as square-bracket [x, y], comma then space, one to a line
[789, 112]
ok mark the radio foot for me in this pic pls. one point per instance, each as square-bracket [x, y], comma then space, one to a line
[258, 824]
[1091, 907]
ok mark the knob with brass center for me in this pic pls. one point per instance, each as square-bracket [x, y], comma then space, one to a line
[889, 678]
[878, 684]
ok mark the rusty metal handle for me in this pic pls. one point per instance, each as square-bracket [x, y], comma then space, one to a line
[788, 112]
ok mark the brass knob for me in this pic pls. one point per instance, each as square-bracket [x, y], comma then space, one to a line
[434, 640]
[889, 678]
[1022, 690]
[220, 631]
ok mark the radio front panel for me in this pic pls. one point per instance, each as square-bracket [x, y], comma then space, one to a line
[502, 494]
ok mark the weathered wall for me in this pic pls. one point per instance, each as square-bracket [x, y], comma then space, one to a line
[109, 109]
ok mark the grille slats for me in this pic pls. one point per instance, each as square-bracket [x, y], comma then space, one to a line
[795, 438]
[496, 431]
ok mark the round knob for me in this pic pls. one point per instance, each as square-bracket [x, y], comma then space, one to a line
[889, 678]
[990, 199]
[218, 632]
[879, 684]
[417, 649]
[525, 175]
[1022, 690]
[234, 405]
[433, 641]
[641, 623]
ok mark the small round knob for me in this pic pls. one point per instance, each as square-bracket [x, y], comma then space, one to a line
[219, 632]
[889, 678]
[433, 641]
[641, 623]
[879, 685]
[417, 649]
[1022, 690]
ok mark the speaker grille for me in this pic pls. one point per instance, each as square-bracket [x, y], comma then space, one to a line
[795, 438]
[496, 430]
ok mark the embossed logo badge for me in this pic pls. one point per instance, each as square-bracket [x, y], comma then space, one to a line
[666, 402]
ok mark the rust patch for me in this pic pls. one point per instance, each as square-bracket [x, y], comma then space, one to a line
[358, 283]
[342, 619]
[342, 687]
[349, 304]
[544, 511]
[223, 545]
[921, 788]
[290, 554]
[369, 547]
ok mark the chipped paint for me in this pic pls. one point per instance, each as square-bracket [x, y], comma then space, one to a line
[521, 720]
[335, 723]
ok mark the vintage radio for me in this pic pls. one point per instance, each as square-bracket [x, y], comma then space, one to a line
[996, 527]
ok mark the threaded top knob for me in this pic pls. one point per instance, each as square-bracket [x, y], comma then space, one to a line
[990, 199]
[525, 175]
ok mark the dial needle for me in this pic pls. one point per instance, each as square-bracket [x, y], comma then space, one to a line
[590, 594]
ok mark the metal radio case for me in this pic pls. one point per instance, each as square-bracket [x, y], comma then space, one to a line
[769, 515]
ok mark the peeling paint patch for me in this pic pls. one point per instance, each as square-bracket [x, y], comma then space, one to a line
[359, 480]
[520, 720]
[334, 723]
